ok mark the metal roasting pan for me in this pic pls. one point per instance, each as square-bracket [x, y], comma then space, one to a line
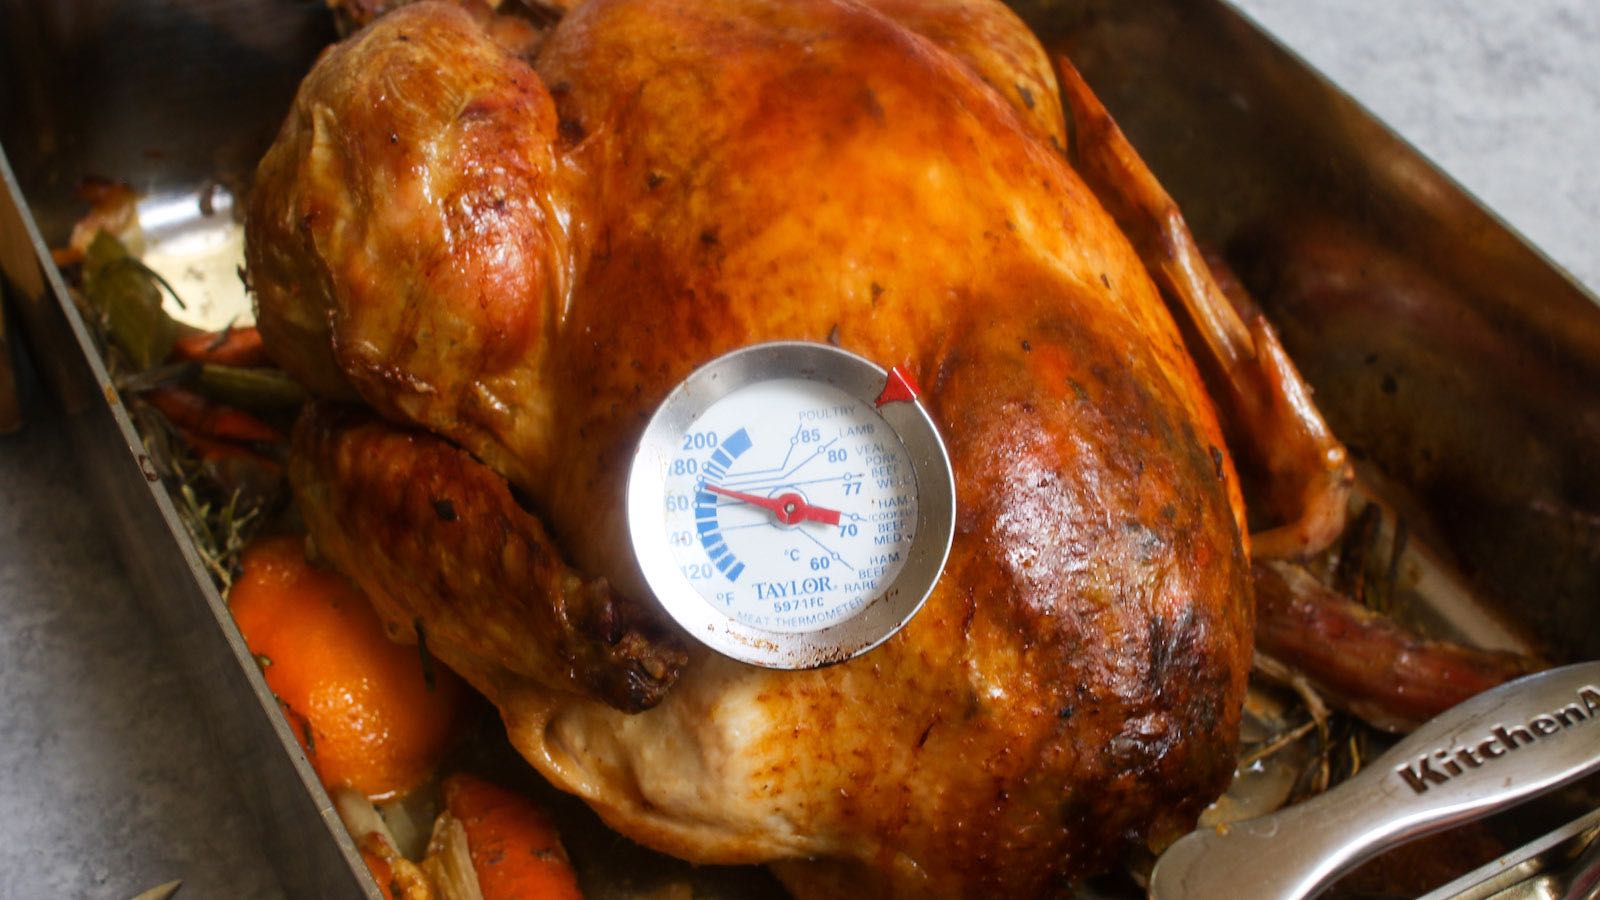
[1461, 366]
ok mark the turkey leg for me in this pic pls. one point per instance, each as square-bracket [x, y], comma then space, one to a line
[1301, 469]
[386, 504]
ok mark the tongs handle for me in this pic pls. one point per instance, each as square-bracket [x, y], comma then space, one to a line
[1498, 749]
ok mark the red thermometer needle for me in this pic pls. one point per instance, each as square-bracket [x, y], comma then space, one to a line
[789, 508]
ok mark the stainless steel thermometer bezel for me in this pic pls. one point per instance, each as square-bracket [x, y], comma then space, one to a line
[885, 614]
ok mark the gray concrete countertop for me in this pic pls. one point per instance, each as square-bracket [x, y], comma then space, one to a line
[1504, 95]
[107, 789]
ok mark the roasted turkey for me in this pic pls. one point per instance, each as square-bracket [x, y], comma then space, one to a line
[492, 259]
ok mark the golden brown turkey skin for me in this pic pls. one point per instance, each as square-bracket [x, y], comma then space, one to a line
[678, 180]
[405, 238]
[405, 502]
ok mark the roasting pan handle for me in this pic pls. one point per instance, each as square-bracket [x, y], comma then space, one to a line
[1497, 749]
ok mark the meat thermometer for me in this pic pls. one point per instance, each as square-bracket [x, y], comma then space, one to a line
[791, 504]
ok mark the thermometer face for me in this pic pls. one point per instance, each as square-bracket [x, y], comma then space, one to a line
[791, 504]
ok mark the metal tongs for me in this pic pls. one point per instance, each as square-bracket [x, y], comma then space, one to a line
[1500, 748]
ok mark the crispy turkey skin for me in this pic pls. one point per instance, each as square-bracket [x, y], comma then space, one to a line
[512, 263]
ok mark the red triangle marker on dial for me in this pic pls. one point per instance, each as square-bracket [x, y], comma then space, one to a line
[899, 388]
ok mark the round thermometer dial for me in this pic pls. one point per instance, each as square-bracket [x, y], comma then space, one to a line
[791, 504]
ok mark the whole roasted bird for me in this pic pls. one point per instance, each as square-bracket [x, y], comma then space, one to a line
[509, 251]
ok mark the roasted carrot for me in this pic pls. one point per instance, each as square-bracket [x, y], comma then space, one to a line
[195, 413]
[240, 347]
[515, 851]
[381, 871]
[209, 448]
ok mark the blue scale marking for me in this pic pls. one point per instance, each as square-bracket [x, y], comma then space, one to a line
[705, 506]
[718, 465]
[736, 444]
